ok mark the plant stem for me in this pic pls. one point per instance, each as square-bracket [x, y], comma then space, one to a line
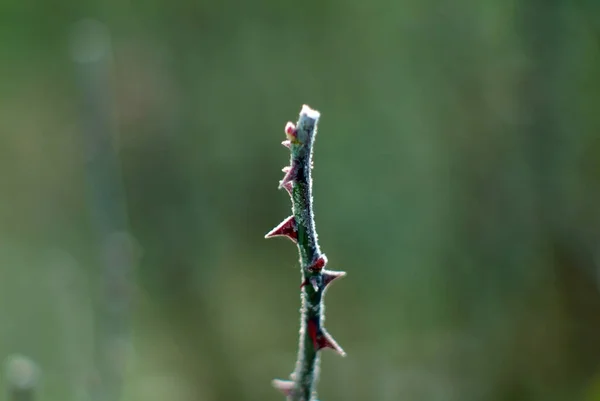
[91, 52]
[300, 228]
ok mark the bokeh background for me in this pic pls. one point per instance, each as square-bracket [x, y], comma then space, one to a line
[456, 180]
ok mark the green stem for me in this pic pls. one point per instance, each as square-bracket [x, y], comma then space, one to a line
[308, 246]
[300, 227]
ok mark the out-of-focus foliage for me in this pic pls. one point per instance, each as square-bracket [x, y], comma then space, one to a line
[456, 181]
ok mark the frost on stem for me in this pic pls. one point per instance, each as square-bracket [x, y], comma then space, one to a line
[300, 228]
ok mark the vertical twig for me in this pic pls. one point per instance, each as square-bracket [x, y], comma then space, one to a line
[91, 50]
[300, 228]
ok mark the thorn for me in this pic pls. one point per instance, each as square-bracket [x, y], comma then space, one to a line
[327, 341]
[285, 386]
[322, 339]
[287, 144]
[319, 263]
[330, 275]
[287, 228]
[290, 175]
[289, 186]
[286, 169]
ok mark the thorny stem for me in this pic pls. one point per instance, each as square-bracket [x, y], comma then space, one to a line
[300, 228]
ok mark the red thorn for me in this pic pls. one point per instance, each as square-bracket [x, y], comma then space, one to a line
[326, 341]
[287, 144]
[285, 386]
[330, 275]
[289, 176]
[287, 228]
[319, 263]
[322, 339]
[289, 186]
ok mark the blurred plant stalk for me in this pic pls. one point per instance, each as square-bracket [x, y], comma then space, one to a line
[91, 54]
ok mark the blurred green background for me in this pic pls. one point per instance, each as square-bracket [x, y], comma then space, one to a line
[456, 180]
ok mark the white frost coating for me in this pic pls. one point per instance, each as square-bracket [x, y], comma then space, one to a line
[310, 113]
